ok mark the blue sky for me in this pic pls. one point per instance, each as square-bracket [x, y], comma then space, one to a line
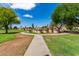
[38, 14]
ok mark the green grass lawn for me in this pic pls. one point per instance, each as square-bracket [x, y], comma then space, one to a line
[10, 36]
[63, 45]
[6, 37]
[12, 31]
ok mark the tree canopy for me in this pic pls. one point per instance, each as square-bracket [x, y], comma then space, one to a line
[66, 14]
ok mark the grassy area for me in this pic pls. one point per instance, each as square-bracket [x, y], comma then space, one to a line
[10, 36]
[12, 31]
[59, 45]
[6, 37]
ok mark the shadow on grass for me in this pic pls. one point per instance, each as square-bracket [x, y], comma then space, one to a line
[72, 32]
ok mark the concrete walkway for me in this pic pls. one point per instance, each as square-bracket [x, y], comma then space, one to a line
[37, 47]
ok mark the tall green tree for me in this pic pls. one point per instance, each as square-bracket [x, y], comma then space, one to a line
[67, 15]
[57, 17]
[7, 17]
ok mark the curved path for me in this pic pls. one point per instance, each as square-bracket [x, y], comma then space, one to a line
[16, 47]
[37, 47]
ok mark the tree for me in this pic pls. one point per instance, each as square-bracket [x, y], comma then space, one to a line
[65, 14]
[7, 17]
[33, 26]
[57, 21]
[15, 27]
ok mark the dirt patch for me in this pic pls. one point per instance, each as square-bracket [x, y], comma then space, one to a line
[16, 47]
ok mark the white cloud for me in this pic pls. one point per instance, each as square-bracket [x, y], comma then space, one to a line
[26, 6]
[29, 16]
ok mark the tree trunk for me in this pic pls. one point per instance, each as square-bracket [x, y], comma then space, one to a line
[58, 28]
[6, 29]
